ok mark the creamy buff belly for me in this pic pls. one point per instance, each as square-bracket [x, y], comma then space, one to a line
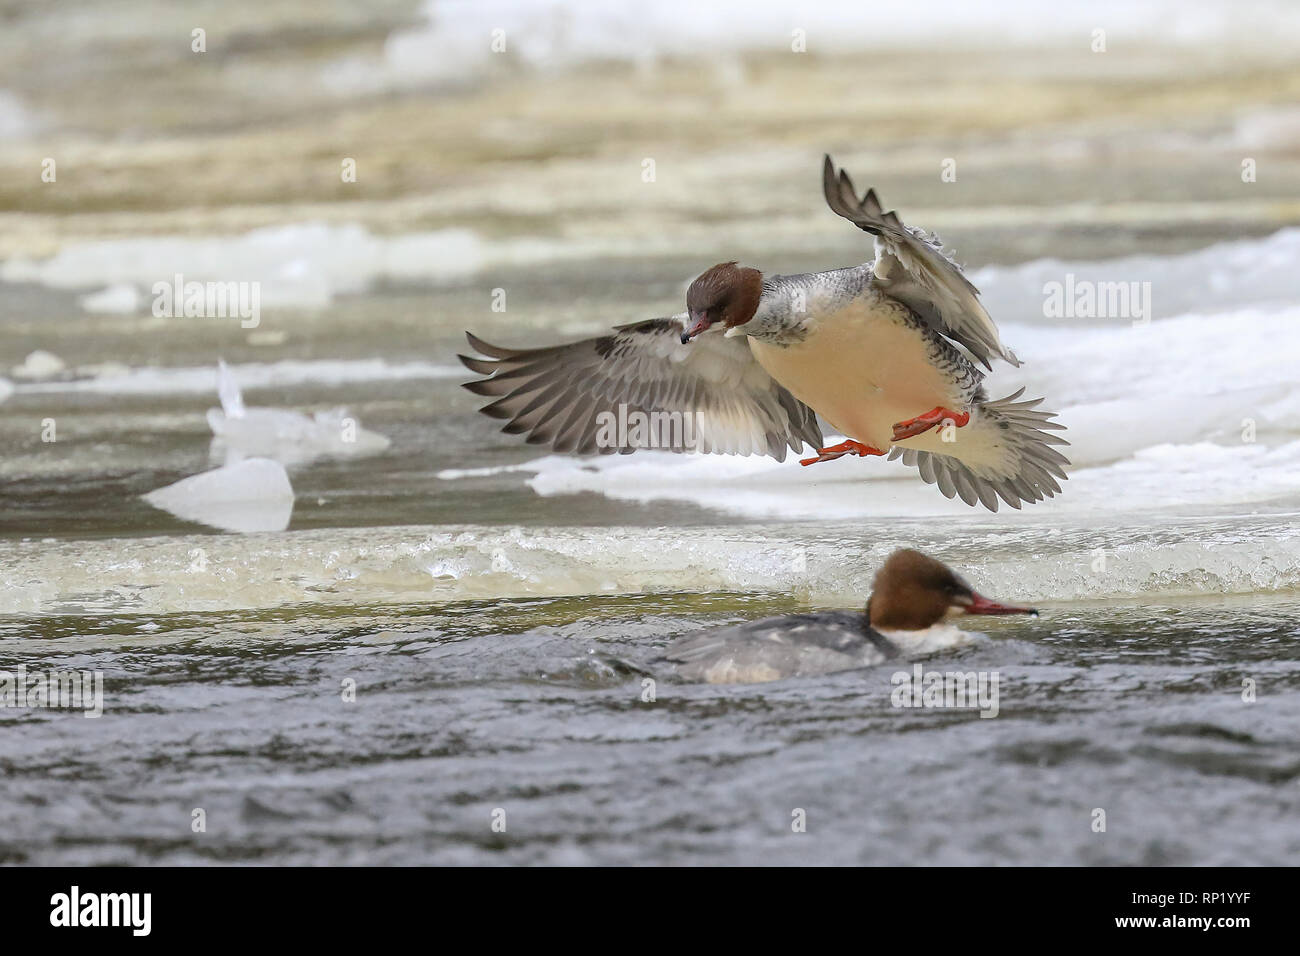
[862, 369]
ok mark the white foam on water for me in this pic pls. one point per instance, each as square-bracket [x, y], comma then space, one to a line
[248, 496]
[115, 379]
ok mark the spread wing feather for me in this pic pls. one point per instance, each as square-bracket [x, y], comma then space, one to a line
[709, 395]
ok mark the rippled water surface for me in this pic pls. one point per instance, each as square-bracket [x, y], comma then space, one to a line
[536, 707]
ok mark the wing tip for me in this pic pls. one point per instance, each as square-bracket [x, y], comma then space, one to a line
[487, 348]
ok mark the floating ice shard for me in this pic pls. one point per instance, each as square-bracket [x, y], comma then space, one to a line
[231, 398]
[251, 495]
[289, 437]
[121, 298]
[304, 264]
[39, 365]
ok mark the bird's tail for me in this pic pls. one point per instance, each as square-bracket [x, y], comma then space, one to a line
[1005, 451]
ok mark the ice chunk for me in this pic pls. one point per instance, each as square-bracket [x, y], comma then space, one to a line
[232, 400]
[287, 436]
[121, 298]
[17, 121]
[291, 437]
[444, 46]
[251, 495]
[299, 264]
[114, 378]
[39, 364]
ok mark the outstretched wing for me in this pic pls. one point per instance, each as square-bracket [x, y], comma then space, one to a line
[640, 387]
[913, 268]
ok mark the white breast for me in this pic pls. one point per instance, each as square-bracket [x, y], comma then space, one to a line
[862, 368]
[941, 636]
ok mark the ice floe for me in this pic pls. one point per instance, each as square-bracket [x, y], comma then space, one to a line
[113, 378]
[39, 365]
[288, 436]
[461, 40]
[250, 495]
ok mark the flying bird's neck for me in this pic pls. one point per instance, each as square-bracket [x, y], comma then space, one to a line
[792, 304]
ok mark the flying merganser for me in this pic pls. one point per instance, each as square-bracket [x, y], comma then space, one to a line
[911, 595]
[747, 368]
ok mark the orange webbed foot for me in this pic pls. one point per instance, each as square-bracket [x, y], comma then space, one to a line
[923, 423]
[849, 447]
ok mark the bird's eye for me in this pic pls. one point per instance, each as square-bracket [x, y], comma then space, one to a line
[959, 594]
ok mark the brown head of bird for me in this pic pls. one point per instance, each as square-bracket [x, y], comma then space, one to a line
[727, 293]
[913, 591]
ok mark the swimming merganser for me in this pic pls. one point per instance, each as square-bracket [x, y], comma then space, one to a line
[911, 595]
[747, 368]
